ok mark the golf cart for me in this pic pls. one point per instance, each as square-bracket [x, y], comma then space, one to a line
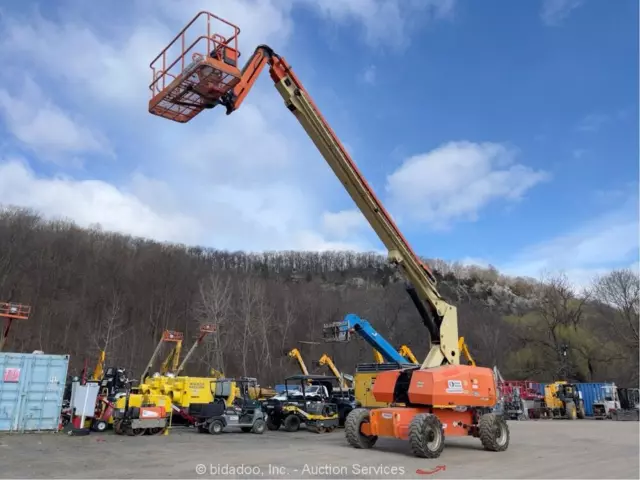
[245, 414]
[312, 406]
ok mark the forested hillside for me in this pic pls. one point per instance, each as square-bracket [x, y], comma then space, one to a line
[93, 290]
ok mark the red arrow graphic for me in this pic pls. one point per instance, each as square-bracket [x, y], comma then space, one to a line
[431, 472]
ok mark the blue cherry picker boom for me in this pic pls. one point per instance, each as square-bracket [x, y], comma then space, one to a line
[190, 76]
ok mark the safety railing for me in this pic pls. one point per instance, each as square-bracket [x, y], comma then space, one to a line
[163, 72]
[15, 310]
[172, 336]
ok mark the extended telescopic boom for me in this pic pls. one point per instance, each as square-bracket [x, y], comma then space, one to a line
[213, 79]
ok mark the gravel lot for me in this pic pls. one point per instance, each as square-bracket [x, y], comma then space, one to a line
[538, 449]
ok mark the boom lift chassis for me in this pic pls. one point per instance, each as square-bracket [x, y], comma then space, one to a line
[439, 394]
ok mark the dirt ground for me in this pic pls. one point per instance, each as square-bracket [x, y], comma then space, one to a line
[538, 449]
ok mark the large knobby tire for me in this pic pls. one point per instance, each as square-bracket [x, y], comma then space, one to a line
[581, 411]
[494, 432]
[273, 425]
[570, 410]
[426, 436]
[352, 425]
[291, 423]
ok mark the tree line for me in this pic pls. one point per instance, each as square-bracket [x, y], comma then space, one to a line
[92, 290]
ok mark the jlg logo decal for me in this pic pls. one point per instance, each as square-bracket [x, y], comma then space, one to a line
[454, 386]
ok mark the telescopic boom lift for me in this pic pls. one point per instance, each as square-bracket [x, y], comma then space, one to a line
[205, 75]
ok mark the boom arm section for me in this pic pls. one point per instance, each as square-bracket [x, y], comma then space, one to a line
[295, 353]
[195, 82]
[342, 332]
[326, 360]
[406, 352]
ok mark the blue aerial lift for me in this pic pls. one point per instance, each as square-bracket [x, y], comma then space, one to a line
[353, 324]
[366, 373]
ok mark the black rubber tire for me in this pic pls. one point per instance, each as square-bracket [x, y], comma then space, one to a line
[581, 411]
[245, 429]
[291, 423]
[99, 426]
[570, 410]
[426, 436]
[215, 427]
[494, 432]
[273, 425]
[352, 426]
[117, 427]
[259, 426]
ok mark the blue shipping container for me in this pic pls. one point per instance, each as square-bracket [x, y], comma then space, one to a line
[591, 393]
[31, 391]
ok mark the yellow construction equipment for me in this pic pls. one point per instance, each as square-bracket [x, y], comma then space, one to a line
[377, 356]
[295, 353]
[98, 372]
[346, 381]
[167, 336]
[170, 364]
[464, 349]
[406, 352]
[563, 400]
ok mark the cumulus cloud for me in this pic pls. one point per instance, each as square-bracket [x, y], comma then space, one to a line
[93, 201]
[456, 180]
[343, 224]
[43, 127]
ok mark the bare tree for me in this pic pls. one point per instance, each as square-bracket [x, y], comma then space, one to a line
[214, 307]
[620, 290]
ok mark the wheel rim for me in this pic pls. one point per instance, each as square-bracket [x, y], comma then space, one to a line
[217, 428]
[434, 439]
[501, 434]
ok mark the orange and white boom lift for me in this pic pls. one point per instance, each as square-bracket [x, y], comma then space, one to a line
[9, 312]
[439, 395]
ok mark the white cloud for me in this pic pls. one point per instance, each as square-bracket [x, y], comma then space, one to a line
[369, 75]
[386, 23]
[46, 129]
[92, 201]
[456, 180]
[606, 242]
[554, 12]
[343, 224]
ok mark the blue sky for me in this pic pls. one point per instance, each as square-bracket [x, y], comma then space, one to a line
[496, 132]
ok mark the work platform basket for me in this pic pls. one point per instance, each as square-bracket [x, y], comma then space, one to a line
[196, 69]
